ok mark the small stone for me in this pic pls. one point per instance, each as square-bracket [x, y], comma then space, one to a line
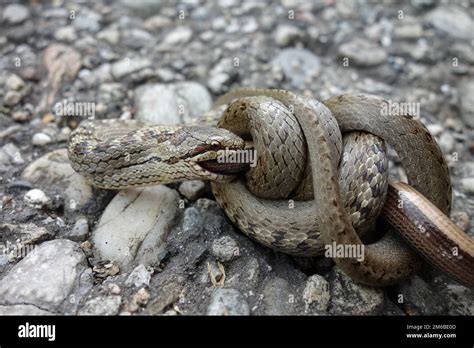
[14, 83]
[67, 34]
[112, 36]
[452, 20]
[286, 34]
[102, 305]
[9, 153]
[12, 98]
[316, 294]
[299, 65]
[15, 13]
[156, 22]
[461, 219]
[362, 53]
[141, 297]
[139, 276]
[36, 198]
[114, 289]
[420, 298]
[225, 249]
[217, 83]
[435, 129]
[446, 142]
[21, 116]
[228, 302]
[128, 66]
[467, 185]
[79, 231]
[192, 189]
[87, 20]
[466, 91]
[411, 31]
[277, 297]
[41, 139]
[178, 36]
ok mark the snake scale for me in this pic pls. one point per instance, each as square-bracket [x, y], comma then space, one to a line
[336, 185]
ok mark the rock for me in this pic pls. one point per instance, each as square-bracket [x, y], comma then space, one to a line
[412, 30]
[54, 170]
[141, 297]
[435, 129]
[167, 295]
[316, 294]
[15, 13]
[192, 189]
[46, 276]
[350, 298]
[446, 142]
[278, 298]
[228, 302]
[461, 219]
[225, 249]
[67, 34]
[36, 198]
[217, 82]
[419, 297]
[466, 91]
[467, 185]
[102, 305]
[87, 20]
[9, 153]
[14, 83]
[143, 8]
[139, 276]
[171, 104]
[286, 34]
[12, 98]
[128, 66]
[79, 231]
[156, 22]
[459, 299]
[153, 210]
[362, 53]
[41, 139]
[21, 309]
[451, 20]
[298, 65]
[110, 35]
[177, 36]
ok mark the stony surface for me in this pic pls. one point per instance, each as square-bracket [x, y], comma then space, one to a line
[74, 249]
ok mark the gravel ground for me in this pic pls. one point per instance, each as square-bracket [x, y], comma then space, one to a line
[69, 248]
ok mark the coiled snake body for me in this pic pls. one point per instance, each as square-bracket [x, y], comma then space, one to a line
[299, 146]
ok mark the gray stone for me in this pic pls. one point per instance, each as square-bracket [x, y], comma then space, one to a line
[171, 104]
[23, 309]
[298, 65]
[286, 34]
[453, 21]
[177, 36]
[9, 153]
[362, 53]
[228, 302]
[446, 142]
[139, 276]
[36, 198]
[67, 34]
[152, 210]
[278, 299]
[110, 35]
[102, 305]
[54, 170]
[466, 93]
[192, 189]
[350, 298]
[12, 98]
[128, 66]
[41, 139]
[225, 249]
[14, 83]
[417, 295]
[435, 129]
[467, 185]
[316, 294]
[46, 276]
[79, 231]
[15, 13]
[87, 20]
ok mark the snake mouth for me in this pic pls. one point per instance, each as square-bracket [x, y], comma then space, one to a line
[214, 166]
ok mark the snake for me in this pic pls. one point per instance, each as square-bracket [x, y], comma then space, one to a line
[321, 178]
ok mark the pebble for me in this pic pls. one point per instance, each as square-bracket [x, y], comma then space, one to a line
[14, 83]
[228, 302]
[350, 298]
[278, 298]
[46, 276]
[12, 98]
[316, 294]
[286, 34]
[298, 65]
[192, 189]
[87, 20]
[15, 13]
[36, 198]
[225, 249]
[177, 36]
[139, 276]
[141, 297]
[170, 104]
[468, 185]
[446, 142]
[362, 53]
[10, 153]
[435, 129]
[461, 219]
[67, 34]
[466, 91]
[420, 298]
[54, 170]
[152, 209]
[452, 20]
[129, 65]
[102, 305]
[110, 35]
[41, 139]
[79, 231]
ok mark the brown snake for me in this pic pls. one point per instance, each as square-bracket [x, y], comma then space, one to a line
[117, 154]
